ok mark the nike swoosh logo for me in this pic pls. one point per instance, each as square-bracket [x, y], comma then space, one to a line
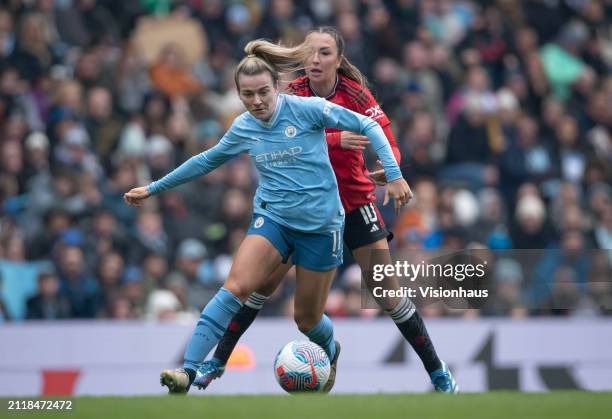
[314, 382]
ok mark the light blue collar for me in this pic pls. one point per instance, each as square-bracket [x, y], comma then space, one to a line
[268, 124]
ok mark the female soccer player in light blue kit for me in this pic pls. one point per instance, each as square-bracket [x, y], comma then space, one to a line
[297, 208]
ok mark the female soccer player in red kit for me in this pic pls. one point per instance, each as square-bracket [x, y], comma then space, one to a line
[330, 75]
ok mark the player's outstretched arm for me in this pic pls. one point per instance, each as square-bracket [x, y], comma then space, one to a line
[400, 192]
[135, 196]
[198, 165]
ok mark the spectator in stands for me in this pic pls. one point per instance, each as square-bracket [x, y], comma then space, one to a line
[14, 249]
[561, 61]
[571, 150]
[603, 229]
[79, 287]
[48, 303]
[119, 308]
[491, 228]
[37, 165]
[526, 159]
[11, 163]
[163, 305]
[154, 271]
[7, 34]
[530, 229]
[170, 74]
[101, 124]
[109, 274]
[132, 81]
[86, 23]
[122, 176]
[66, 109]
[133, 289]
[506, 286]
[149, 236]
[10, 93]
[32, 55]
[549, 282]
[190, 255]
[74, 153]
[104, 235]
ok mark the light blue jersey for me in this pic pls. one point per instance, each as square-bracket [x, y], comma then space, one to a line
[297, 186]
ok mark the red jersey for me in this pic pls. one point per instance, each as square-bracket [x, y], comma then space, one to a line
[356, 189]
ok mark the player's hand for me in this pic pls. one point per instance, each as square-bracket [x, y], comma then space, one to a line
[400, 192]
[136, 196]
[352, 141]
[378, 174]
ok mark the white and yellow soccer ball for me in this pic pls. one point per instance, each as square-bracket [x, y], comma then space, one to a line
[301, 366]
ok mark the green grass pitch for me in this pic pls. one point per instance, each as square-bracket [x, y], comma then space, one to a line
[493, 405]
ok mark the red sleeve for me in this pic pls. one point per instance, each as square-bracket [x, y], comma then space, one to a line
[333, 139]
[368, 106]
[298, 87]
[372, 109]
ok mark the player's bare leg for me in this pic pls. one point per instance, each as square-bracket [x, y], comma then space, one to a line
[312, 289]
[215, 367]
[255, 261]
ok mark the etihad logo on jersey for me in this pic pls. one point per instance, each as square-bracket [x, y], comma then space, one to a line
[374, 112]
[280, 157]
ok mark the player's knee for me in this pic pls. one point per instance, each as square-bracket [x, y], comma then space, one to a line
[306, 321]
[238, 288]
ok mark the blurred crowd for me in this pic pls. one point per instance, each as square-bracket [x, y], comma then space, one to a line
[502, 110]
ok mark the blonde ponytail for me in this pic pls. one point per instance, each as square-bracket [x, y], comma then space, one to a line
[265, 56]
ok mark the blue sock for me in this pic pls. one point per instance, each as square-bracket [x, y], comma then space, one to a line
[323, 335]
[213, 322]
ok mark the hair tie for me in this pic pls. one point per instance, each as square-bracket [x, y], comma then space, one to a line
[251, 56]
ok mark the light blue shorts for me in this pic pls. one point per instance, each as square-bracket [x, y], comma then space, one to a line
[314, 251]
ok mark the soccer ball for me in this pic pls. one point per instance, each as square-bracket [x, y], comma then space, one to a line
[301, 366]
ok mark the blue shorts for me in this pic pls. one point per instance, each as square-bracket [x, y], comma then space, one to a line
[314, 251]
